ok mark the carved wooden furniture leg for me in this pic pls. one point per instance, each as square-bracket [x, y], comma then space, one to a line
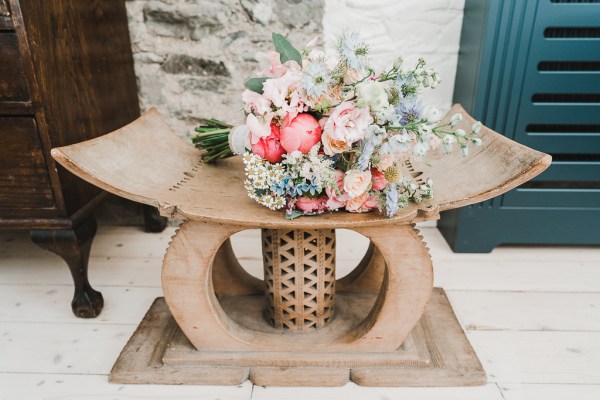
[73, 245]
[153, 221]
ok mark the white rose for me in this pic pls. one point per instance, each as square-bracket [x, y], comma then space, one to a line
[372, 94]
[356, 182]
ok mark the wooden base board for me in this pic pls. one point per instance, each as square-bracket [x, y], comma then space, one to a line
[436, 353]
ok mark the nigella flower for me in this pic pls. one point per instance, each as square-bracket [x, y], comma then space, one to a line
[315, 79]
[353, 50]
[391, 200]
[406, 86]
[410, 111]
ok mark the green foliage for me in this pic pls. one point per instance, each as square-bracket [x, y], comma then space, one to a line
[256, 84]
[285, 49]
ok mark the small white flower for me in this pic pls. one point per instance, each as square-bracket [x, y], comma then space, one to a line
[431, 113]
[455, 119]
[448, 139]
[464, 151]
[420, 149]
[476, 127]
[476, 141]
[461, 132]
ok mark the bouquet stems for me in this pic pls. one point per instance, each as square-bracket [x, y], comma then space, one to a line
[213, 139]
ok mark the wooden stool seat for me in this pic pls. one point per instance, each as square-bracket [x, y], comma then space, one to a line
[215, 301]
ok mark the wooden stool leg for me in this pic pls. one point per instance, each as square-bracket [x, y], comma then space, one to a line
[74, 247]
[153, 221]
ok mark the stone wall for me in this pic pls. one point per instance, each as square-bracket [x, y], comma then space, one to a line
[192, 57]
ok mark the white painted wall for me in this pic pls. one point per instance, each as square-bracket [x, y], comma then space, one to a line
[410, 28]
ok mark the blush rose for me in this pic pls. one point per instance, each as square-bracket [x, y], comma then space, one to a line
[356, 182]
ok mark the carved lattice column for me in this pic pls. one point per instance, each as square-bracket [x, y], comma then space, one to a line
[299, 277]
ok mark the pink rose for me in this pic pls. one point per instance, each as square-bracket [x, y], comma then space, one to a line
[363, 203]
[300, 133]
[310, 205]
[346, 125]
[337, 200]
[378, 180]
[269, 148]
[356, 182]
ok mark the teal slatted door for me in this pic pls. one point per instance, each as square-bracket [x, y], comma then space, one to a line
[537, 81]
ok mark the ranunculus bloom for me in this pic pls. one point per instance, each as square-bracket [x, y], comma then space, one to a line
[356, 182]
[300, 133]
[362, 203]
[310, 205]
[269, 148]
[372, 94]
[346, 125]
[378, 181]
[337, 200]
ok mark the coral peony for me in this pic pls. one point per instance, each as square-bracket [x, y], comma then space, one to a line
[378, 180]
[269, 147]
[362, 203]
[300, 133]
[311, 205]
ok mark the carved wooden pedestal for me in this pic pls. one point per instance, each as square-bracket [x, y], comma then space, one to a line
[300, 326]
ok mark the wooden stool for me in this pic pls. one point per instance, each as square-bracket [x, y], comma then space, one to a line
[300, 326]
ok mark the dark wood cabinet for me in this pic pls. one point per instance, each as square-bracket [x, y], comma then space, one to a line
[66, 75]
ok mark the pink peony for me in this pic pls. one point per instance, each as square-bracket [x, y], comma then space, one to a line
[378, 180]
[337, 200]
[300, 133]
[356, 182]
[363, 203]
[269, 148]
[310, 205]
[346, 125]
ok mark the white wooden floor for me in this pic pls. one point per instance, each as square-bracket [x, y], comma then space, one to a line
[531, 313]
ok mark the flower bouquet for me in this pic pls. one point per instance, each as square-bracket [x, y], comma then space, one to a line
[325, 134]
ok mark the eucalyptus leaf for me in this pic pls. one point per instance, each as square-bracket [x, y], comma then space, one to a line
[292, 214]
[256, 84]
[285, 49]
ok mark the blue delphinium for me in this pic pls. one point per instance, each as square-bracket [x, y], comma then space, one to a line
[283, 187]
[391, 200]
